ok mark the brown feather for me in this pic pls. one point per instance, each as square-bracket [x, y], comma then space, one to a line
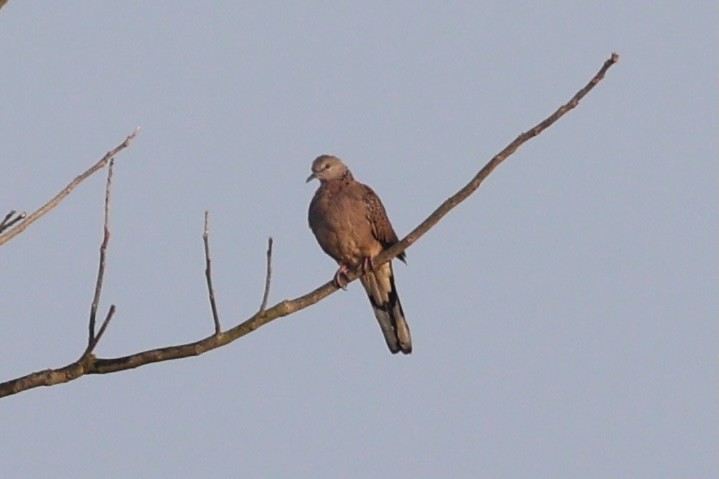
[351, 225]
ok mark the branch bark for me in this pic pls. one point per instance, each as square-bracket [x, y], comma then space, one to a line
[89, 364]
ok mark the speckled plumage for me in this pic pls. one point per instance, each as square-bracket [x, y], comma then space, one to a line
[351, 225]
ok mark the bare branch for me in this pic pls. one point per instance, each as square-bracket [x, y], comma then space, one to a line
[103, 326]
[7, 218]
[90, 365]
[10, 219]
[268, 275]
[508, 150]
[91, 338]
[68, 189]
[208, 274]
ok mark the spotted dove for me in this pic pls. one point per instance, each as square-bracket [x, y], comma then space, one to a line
[351, 225]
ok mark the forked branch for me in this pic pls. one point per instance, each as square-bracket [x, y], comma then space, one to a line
[11, 219]
[44, 209]
[91, 365]
[92, 338]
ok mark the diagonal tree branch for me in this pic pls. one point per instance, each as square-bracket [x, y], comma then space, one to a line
[88, 364]
[4, 238]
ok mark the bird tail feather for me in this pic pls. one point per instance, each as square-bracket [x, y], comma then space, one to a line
[380, 288]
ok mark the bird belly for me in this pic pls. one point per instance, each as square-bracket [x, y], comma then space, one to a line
[347, 241]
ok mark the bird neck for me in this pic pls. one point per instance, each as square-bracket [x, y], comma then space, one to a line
[342, 180]
[347, 177]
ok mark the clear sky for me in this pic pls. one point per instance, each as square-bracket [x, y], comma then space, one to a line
[564, 318]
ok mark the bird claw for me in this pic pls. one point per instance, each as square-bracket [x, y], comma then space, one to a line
[339, 282]
[340, 278]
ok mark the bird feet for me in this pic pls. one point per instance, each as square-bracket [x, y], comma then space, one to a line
[338, 278]
[367, 265]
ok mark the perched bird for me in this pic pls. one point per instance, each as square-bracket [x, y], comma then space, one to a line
[351, 225]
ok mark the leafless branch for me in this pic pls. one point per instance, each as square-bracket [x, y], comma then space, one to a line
[268, 275]
[36, 215]
[11, 219]
[92, 339]
[208, 274]
[103, 327]
[508, 150]
[91, 365]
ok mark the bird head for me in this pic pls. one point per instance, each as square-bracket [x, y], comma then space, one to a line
[326, 168]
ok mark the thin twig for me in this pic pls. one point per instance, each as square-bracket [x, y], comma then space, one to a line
[208, 274]
[268, 276]
[36, 215]
[11, 219]
[79, 368]
[92, 339]
[103, 326]
[7, 217]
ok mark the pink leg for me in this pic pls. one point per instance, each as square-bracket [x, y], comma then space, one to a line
[367, 265]
[342, 271]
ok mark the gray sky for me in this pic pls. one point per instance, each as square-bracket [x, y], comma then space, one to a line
[564, 318]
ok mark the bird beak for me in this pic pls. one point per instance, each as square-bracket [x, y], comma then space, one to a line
[310, 178]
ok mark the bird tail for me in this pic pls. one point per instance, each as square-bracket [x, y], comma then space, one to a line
[382, 293]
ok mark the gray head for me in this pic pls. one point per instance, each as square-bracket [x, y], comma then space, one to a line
[326, 168]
